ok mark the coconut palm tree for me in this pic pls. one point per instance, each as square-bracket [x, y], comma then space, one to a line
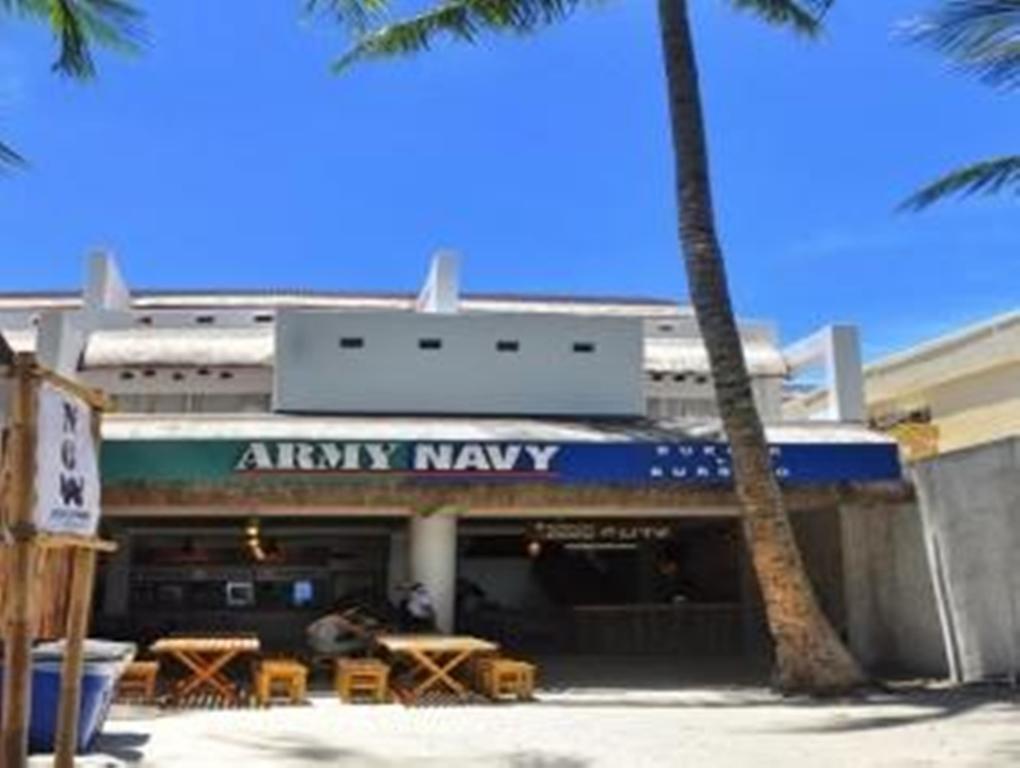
[809, 655]
[77, 25]
[982, 37]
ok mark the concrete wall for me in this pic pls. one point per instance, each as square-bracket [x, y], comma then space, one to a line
[970, 501]
[373, 362]
[818, 537]
[891, 614]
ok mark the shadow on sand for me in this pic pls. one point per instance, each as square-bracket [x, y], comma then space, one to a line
[302, 751]
[126, 747]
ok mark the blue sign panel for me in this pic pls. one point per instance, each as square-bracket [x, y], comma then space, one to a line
[700, 463]
[617, 463]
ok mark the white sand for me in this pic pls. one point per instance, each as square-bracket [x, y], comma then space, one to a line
[589, 729]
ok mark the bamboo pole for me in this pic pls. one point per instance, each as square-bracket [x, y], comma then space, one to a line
[95, 398]
[74, 657]
[47, 541]
[83, 576]
[18, 645]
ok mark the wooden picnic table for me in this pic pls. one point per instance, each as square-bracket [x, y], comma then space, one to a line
[206, 658]
[434, 659]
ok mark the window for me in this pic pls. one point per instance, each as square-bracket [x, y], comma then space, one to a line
[584, 347]
[351, 342]
[508, 345]
[430, 343]
[205, 319]
[263, 318]
[126, 375]
[145, 320]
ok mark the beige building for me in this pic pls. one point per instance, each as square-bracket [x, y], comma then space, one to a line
[952, 392]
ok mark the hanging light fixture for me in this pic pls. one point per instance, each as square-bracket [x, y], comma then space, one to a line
[253, 534]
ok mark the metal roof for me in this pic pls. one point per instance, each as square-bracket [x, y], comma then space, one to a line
[226, 299]
[242, 347]
[415, 428]
[671, 354]
[255, 346]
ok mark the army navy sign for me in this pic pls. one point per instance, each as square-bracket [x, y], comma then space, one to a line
[632, 463]
[67, 473]
[500, 458]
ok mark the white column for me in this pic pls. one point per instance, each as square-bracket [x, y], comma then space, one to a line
[837, 349]
[434, 560]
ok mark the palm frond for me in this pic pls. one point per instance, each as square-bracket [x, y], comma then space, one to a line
[356, 14]
[79, 24]
[9, 158]
[988, 177]
[981, 36]
[804, 16]
[462, 20]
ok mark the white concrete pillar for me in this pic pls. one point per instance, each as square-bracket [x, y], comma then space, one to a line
[434, 560]
[837, 349]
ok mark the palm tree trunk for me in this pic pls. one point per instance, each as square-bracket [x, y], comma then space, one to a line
[809, 654]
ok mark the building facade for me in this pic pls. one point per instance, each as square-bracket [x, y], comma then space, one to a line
[953, 392]
[551, 468]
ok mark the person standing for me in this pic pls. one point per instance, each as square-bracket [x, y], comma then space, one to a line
[417, 611]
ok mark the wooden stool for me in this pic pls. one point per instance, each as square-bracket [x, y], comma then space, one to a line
[362, 678]
[286, 674]
[506, 678]
[138, 681]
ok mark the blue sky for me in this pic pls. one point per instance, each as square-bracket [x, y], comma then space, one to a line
[228, 156]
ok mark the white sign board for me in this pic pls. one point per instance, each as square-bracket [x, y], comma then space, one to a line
[67, 470]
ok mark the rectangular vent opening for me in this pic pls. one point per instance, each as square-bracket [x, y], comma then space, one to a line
[584, 347]
[507, 345]
[430, 343]
[351, 342]
[205, 319]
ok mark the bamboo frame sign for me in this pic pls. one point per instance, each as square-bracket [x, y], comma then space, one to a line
[67, 467]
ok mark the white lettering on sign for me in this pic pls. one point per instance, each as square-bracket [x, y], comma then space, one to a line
[429, 457]
[331, 456]
[542, 455]
[503, 458]
[471, 457]
[255, 459]
[424, 458]
[379, 456]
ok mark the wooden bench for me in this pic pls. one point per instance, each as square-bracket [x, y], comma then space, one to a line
[362, 679]
[500, 678]
[138, 683]
[281, 674]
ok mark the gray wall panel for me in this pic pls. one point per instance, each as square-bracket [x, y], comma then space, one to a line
[390, 373]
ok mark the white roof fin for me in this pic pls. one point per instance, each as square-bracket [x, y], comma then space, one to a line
[441, 292]
[105, 288]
